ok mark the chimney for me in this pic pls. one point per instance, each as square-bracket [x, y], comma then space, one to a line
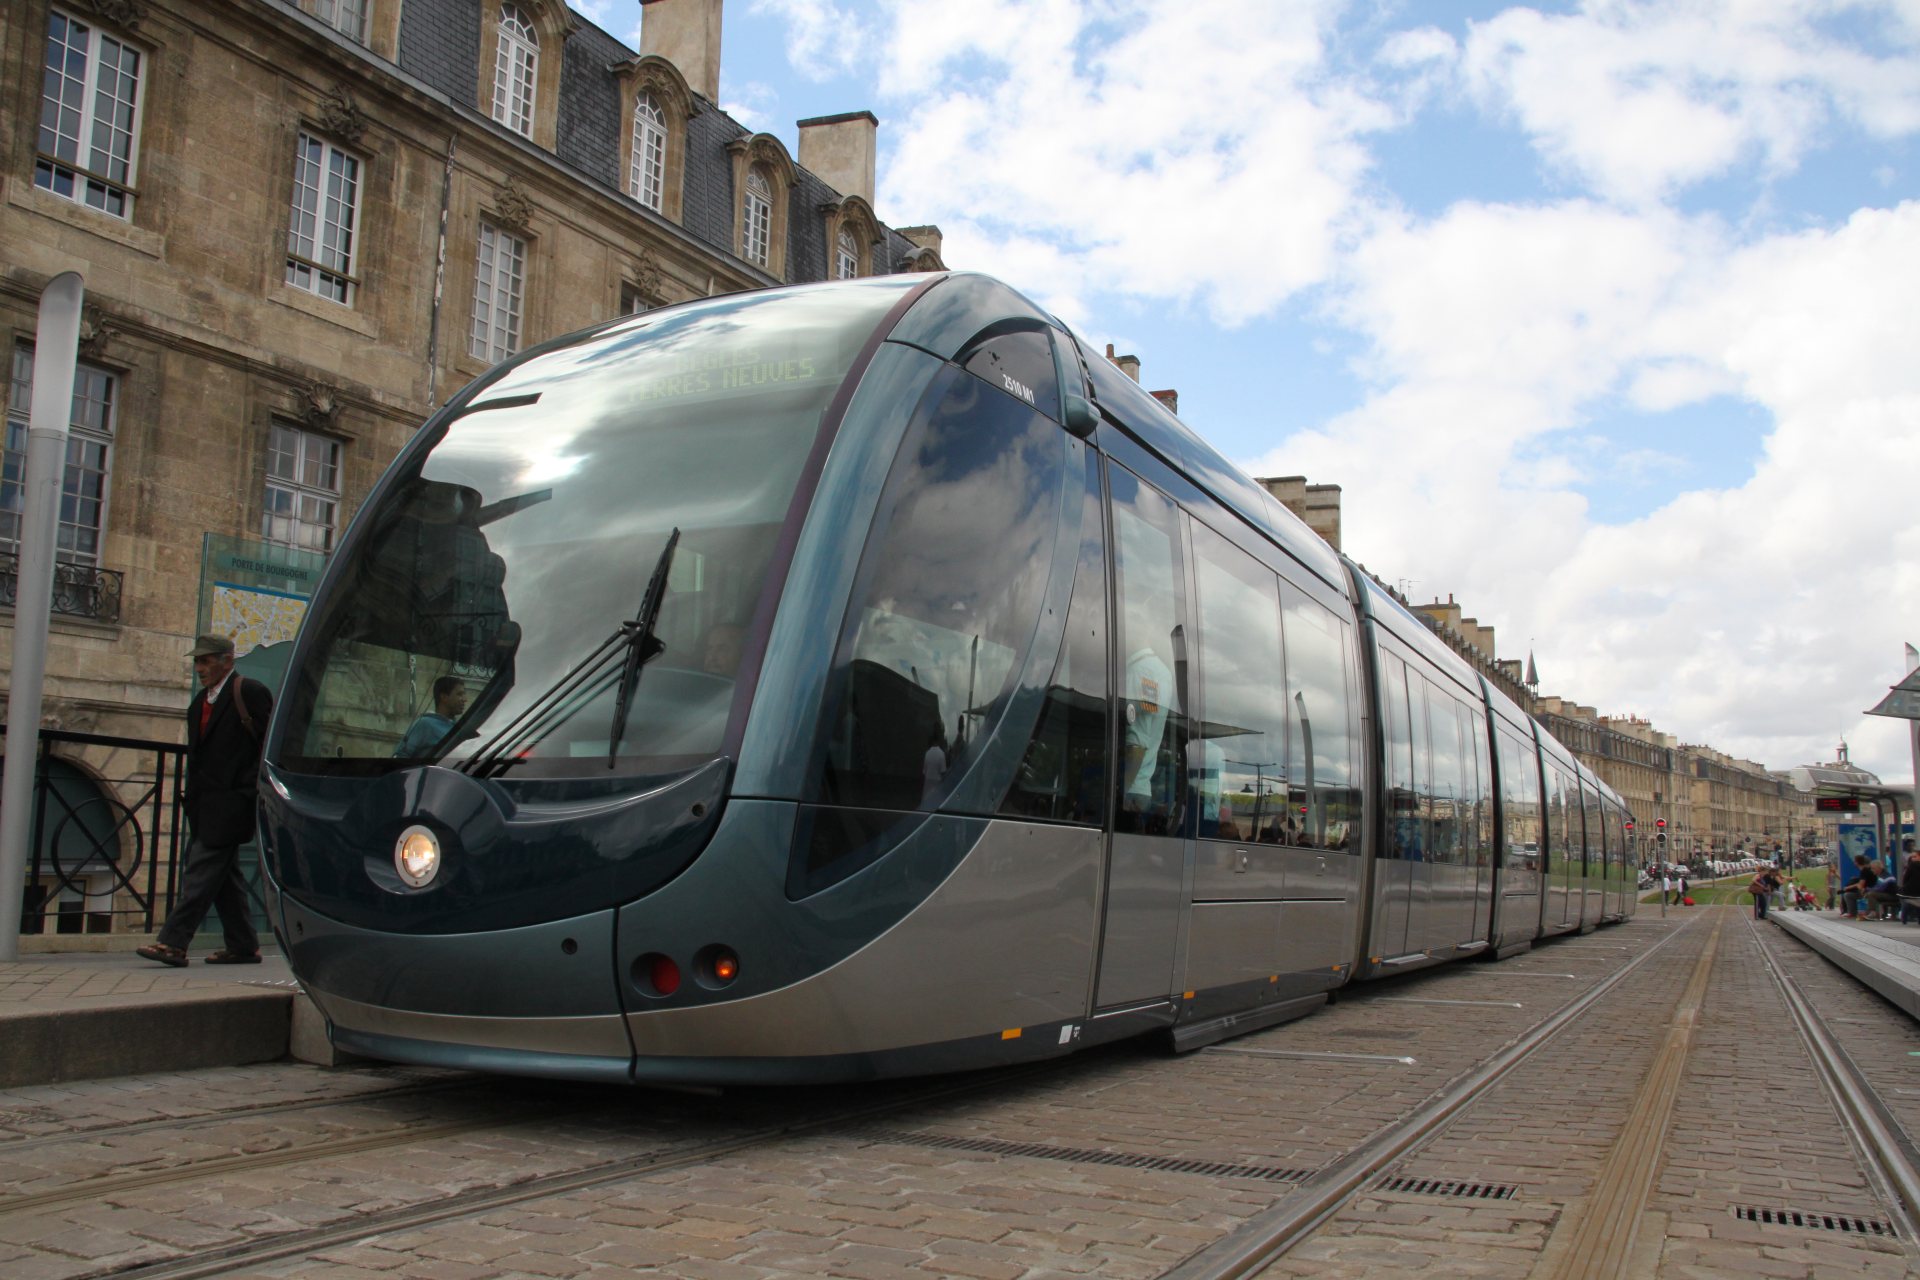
[927, 237]
[687, 34]
[839, 150]
[1129, 365]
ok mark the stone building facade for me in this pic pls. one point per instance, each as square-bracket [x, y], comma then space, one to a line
[304, 225]
[1703, 801]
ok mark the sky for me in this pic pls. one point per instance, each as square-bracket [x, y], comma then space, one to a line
[1605, 316]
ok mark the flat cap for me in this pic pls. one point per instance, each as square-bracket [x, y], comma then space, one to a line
[210, 645]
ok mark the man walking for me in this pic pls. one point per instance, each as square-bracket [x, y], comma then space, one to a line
[225, 723]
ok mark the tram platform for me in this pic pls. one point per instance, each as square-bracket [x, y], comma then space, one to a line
[84, 1015]
[1883, 955]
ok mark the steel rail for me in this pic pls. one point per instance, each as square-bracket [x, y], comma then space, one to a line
[1890, 1154]
[8, 1146]
[102, 1185]
[1270, 1234]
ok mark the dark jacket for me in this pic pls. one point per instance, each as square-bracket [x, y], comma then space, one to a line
[1910, 880]
[223, 764]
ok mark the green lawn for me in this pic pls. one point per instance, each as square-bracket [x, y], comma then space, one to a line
[1733, 889]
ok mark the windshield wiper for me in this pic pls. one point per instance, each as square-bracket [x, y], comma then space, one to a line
[642, 644]
[582, 685]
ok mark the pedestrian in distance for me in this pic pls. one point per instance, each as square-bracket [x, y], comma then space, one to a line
[1762, 889]
[225, 723]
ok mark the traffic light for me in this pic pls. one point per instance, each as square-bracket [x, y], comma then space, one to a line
[1661, 839]
[1629, 825]
[1660, 824]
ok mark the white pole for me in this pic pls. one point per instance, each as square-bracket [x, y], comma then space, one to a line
[56, 347]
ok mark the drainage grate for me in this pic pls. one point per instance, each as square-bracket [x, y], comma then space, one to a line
[1843, 1222]
[1081, 1155]
[1447, 1187]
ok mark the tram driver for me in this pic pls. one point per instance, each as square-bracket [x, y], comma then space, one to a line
[431, 728]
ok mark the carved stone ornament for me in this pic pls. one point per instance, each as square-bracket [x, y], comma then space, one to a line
[647, 276]
[321, 404]
[511, 206]
[97, 329]
[341, 117]
[122, 13]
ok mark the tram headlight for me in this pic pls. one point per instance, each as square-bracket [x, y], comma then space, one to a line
[416, 856]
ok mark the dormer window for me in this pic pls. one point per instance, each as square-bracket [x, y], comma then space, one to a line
[516, 68]
[647, 179]
[757, 217]
[846, 256]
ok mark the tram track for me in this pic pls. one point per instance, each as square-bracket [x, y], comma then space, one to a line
[1889, 1155]
[326, 1147]
[1268, 1236]
[261, 1111]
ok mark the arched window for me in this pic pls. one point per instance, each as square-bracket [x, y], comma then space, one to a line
[846, 257]
[647, 178]
[757, 217]
[516, 65]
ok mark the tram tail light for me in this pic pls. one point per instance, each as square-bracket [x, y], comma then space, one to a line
[715, 966]
[656, 975]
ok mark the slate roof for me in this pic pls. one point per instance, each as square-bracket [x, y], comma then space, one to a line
[440, 45]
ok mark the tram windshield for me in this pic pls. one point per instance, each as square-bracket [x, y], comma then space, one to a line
[497, 607]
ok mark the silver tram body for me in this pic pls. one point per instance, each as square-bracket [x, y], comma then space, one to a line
[864, 679]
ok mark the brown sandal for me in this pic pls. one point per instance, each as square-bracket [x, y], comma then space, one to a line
[234, 957]
[163, 953]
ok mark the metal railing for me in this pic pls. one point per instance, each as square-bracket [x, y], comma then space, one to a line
[79, 590]
[128, 828]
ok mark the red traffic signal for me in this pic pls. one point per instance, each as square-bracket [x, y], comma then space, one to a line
[1660, 824]
[1629, 824]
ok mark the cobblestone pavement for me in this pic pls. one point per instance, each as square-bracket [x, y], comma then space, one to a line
[893, 1196]
[1748, 1128]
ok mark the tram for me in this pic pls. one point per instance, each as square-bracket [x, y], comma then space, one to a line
[862, 679]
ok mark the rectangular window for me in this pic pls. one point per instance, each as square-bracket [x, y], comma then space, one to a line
[89, 117]
[303, 489]
[499, 278]
[1520, 795]
[1240, 765]
[1150, 573]
[83, 489]
[320, 234]
[348, 17]
[632, 301]
[1322, 788]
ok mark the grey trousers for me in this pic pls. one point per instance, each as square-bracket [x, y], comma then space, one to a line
[212, 881]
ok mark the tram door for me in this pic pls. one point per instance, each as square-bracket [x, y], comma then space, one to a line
[1144, 913]
[1567, 874]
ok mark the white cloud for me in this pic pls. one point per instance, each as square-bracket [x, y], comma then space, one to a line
[823, 39]
[1076, 124]
[1641, 99]
[1742, 617]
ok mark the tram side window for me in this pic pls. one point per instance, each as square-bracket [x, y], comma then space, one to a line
[1064, 773]
[1480, 833]
[1449, 799]
[1520, 797]
[1238, 756]
[945, 599]
[1153, 727]
[1322, 797]
[1573, 843]
[1404, 835]
[1596, 837]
